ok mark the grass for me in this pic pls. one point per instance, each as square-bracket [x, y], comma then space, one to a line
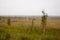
[25, 33]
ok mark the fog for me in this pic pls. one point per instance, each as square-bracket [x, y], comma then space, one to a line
[29, 7]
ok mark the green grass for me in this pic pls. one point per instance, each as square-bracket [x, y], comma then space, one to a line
[26, 33]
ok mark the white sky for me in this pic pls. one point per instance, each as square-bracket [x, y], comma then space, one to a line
[29, 7]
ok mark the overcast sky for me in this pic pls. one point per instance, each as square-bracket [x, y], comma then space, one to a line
[29, 7]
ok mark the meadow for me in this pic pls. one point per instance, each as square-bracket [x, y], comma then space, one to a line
[21, 29]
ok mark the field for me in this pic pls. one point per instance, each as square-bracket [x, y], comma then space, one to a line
[21, 29]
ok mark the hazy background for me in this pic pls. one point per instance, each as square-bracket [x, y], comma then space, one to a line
[29, 7]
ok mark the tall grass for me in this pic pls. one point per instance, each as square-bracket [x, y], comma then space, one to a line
[4, 35]
[25, 33]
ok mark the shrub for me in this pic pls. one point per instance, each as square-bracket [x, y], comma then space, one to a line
[43, 21]
[9, 21]
[0, 17]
